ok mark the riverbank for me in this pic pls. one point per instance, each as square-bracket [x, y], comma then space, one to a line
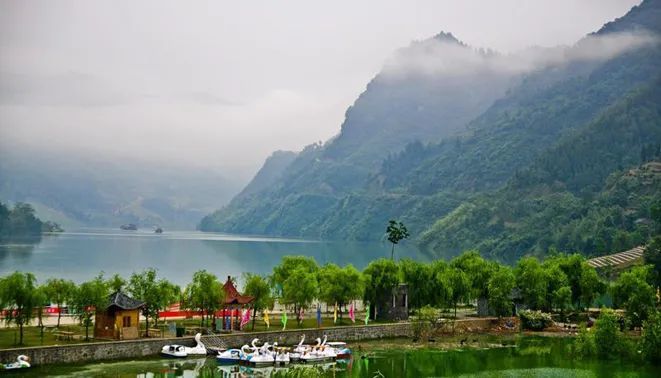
[102, 351]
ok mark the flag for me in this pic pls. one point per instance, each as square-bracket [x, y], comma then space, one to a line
[266, 319]
[367, 314]
[335, 314]
[300, 314]
[245, 319]
[318, 315]
[352, 314]
[283, 319]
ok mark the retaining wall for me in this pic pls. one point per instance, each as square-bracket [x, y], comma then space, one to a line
[78, 353]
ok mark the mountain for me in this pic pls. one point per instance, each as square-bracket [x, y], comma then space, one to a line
[528, 165]
[76, 192]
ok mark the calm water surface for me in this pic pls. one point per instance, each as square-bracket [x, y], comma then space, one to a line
[81, 254]
[529, 357]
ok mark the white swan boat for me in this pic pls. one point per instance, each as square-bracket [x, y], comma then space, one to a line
[174, 350]
[319, 353]
[296, 353]
[230, 356]
[22, 362]
[199, 348]
[341, 350]
[263, 357]
[248, 352]
[181, 351]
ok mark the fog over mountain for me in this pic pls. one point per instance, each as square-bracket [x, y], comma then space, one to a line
[210, 89]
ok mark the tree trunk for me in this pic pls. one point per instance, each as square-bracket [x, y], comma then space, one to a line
[59, 314]
[20, 338]
[254, 314]
[146, 325]
[392, 252]
[87, 327]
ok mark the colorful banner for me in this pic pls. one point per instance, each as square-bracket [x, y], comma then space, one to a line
[318, 316]
[335, 314]
[267, 320]
[283, 319]
[245, 319]
[367, 314]
[352, 314]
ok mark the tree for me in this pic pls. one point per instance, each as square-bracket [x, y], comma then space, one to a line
[501, 283]
[204, 293]
[156, 294]
[40, 299]
[651, 338]
[59, 291]
[607, 336]
[531, 281]
[258, 287]
[419, 277]
[340, 285]
[558, 292]
[381, 277]
[460, 287]
[478, 270]
[116, 283]
[169, 293]
[299, 289]
[284, 270]
[89, 297]
[633, 292]
[396, 232]
[17, 297]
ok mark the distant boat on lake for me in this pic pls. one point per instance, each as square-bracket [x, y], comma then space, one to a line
[158, 230]
[129, 227]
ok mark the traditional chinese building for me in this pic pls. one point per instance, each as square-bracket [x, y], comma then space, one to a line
[234, 303]
[120, 319]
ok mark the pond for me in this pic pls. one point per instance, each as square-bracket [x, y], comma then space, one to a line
[513, 357]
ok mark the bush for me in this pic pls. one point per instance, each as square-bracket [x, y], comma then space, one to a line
[426, 323]
[650, 342]
[585, 344]
[607, 336]
[535, 320]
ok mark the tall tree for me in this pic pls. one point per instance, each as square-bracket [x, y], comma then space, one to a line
[459, 285]
[501, 283]
[396, 232]
[204, 293]
[258, 287]
[155, 293]
[340, 285]
[17, 297]
[633, 292]
[381, 277]
[59, 291]
[299, 290]
[531, 281]
[89, 297]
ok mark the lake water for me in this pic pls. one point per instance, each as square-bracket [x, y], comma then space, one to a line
[81, 254]
[526, 357]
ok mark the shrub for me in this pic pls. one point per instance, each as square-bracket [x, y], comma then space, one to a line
[607, 335]
[585, 344]
[650, 342]
[535, 320]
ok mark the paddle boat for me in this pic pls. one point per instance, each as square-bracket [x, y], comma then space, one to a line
[199, 348]
[230, 356]
[263, 357]
[174, 350]
[281, 356]
[248, 352]
[341, 349]
[296, 353]
[318, 353]
[22, 362]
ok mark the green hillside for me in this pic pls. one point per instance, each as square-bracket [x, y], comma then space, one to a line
[543, 165]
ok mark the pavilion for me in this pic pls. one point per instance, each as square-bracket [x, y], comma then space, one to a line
[234, 302]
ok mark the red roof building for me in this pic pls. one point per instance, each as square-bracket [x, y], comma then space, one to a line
[233, 297]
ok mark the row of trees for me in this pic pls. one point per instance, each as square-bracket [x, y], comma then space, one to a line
[19, 223]
[558, 283]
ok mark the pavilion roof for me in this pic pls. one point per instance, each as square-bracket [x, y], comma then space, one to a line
[123, 301]
[232, 295]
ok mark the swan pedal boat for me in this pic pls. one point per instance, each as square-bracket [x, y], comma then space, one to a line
[181, 351]
[230, 356]
[22, 362]
[341, 349]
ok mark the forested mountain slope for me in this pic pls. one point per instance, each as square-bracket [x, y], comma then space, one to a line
[541, 166]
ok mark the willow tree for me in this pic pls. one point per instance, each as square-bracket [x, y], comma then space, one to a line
[59, 291]
[205, 294]
[155, 293]
[258, 287]
[17, 295]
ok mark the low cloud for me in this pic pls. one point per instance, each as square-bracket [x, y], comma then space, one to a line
[443, 55]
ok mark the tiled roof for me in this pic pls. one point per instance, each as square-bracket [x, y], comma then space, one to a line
[232, 296]
[123, 301]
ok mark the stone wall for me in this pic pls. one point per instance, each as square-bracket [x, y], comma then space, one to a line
[79, 353]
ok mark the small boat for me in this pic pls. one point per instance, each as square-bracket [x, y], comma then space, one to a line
[129, 227]
[174, 350]
[22, 362]
[263, 357]
[341, 349]
[248, 352]
[319, 353]
[281, 357]
[230, 356]
[199, 348]
[158, 230]
[298, 350]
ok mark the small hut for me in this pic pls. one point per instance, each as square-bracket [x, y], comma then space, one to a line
[120, 320]
[234, 302]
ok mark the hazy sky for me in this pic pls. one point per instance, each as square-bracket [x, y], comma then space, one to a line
[222, 84]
